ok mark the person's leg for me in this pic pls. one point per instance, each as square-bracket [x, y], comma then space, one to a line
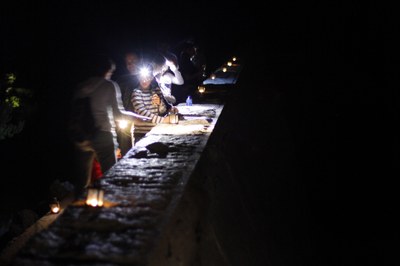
[104, 145]
[124, 140]
[83, 164]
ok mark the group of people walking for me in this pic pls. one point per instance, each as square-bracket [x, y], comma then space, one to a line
[142, 96]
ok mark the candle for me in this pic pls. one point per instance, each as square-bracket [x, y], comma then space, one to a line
[173, 118]
[201, 89]
[55, 206]
[95, 197]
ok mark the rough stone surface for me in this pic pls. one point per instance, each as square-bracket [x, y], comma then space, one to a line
[150, 215]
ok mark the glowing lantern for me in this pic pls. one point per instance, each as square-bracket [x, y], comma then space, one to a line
[55, 206]
[173, 118]
[95, 196]
[201, 89]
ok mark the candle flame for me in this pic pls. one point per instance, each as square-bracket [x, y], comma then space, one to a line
[55, 209]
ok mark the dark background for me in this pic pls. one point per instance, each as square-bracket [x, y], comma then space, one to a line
[333, 64]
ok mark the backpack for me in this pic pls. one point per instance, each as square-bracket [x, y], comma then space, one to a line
[81, 124]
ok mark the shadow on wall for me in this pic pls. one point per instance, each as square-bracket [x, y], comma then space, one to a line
[259, 208]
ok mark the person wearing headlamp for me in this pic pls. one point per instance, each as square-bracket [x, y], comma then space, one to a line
[148, 100]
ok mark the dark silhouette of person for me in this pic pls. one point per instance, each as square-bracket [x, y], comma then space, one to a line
[105, 106]
[192, 74]
[127, 82]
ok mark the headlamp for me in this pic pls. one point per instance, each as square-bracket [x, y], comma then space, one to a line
[144, 72]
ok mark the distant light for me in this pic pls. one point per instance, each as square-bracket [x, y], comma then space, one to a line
[55, 206]
[212, 76]
[201, 89]
[229, 63]
[224, 69]
[234, 59]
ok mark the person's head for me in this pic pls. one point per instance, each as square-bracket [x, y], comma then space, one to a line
[132, 61]
[146, 76]
[163, 46]
[103, 66]
[189, 49]
[159, 65]
[171, 57]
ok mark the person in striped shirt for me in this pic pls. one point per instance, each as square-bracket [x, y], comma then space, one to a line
[148, 100]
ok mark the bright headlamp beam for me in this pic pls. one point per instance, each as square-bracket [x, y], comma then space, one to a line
[144, 72]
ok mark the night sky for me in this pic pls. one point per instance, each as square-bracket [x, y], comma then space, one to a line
[46, 43]
[335, 63]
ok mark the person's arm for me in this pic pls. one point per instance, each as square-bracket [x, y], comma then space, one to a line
[119, 110]
[166, 102]
[170, 99]
[176, 78]
[142, 107]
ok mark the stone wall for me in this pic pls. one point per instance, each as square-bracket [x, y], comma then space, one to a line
[155, 210]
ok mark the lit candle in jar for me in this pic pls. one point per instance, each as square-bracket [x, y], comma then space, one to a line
[55, 206]
[173, 118]
[201, 89]
[95, 197]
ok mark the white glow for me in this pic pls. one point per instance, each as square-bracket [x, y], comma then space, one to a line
[144, 71]
[92, 202]
[201, 89]
[55, 209]
[100, 198]
[95, 197]
[224, 69]
[229, 63]
[189, 127]
[122, 123]
[55, 206]
[234, 59]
